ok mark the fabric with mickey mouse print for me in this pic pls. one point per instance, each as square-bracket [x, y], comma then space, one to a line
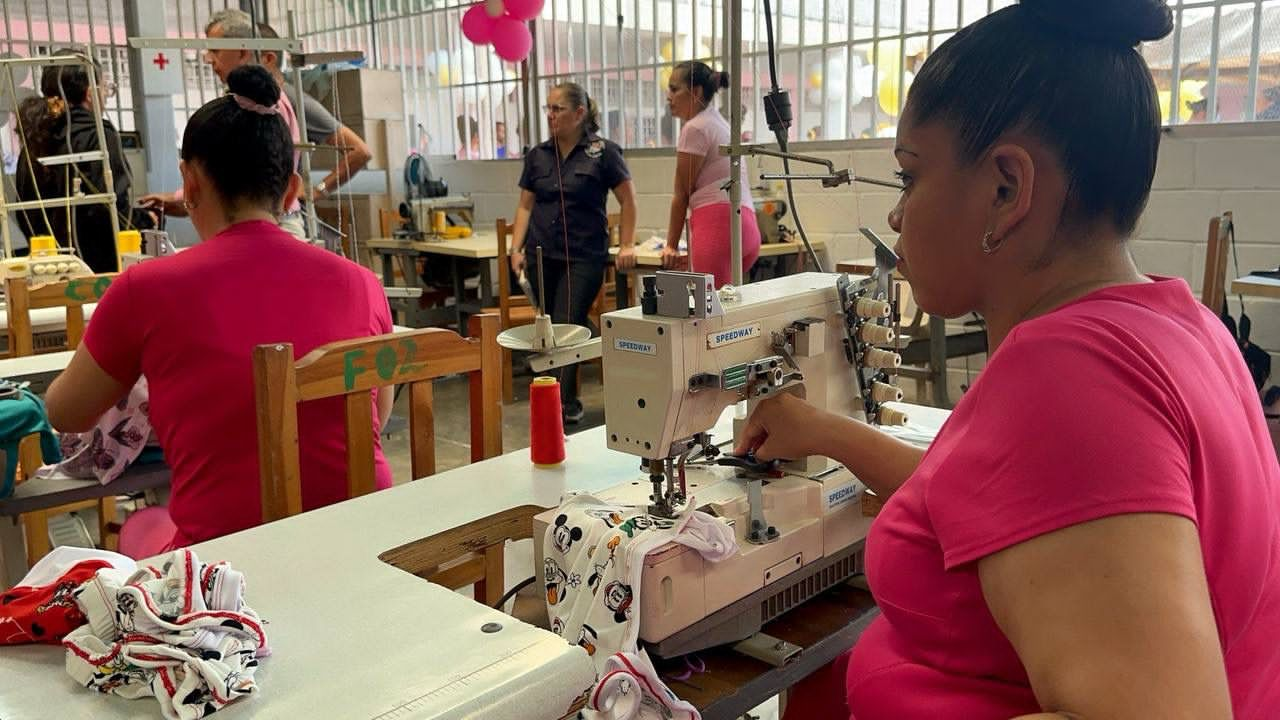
[594, 555]
[181, 633]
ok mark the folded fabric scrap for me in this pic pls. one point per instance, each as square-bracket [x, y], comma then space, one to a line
[119, 438]
[594, 559]
[42, 607]
[180, 633]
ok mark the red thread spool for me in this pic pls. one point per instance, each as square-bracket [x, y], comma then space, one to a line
[546, 425]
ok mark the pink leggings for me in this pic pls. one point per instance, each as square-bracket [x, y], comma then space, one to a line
[709, 247]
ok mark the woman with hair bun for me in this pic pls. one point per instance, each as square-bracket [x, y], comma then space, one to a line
[1095, 531]
[190, 322]
[701, 172]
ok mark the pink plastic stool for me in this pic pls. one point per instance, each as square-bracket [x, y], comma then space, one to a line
[147, 532]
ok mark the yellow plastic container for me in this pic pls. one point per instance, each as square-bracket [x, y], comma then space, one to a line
[129, 241]
[43, 244]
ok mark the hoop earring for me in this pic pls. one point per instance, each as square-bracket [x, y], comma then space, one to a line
[188, 205]
[987, 247]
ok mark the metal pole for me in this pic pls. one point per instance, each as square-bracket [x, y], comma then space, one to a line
[300, 112]
[733, 29]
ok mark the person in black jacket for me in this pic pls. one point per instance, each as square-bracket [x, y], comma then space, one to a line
[62, 122]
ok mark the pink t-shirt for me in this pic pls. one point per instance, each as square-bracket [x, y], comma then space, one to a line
[190, 322]
[703, 135]
[295, 133]
[1131, 399]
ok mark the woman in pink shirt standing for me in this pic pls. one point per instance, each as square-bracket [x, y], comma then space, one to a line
[1095, 532]
[701, 171]
[190, 322]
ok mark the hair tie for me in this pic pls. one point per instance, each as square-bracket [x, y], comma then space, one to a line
[55, 106]
[254, 107]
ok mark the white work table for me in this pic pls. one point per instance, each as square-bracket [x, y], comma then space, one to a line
[356, 638]
[46, 319]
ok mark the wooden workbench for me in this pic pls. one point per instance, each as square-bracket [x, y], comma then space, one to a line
[1256, 285]
[480, 249]
[649, 258]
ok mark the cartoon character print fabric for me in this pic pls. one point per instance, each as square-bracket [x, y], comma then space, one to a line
[594, 555]
[180, 633]
[45, 613]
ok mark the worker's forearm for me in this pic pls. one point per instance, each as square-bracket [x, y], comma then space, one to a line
[351, 162]
[881, 462]
[521, 230]
[675, 225]
[628, 235]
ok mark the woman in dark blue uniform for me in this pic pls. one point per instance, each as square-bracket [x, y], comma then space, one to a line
[565, 187]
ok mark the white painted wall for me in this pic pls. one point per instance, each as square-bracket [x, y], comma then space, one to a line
[1202, 171]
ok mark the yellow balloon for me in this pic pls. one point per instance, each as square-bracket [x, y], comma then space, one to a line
[664, 77]
[815, 80]
[1189, 91]
[1165, 96]
[888, 60]
[887, 94]
[442, 74]
[666, 51]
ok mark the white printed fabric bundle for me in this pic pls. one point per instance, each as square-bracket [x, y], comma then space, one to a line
[181, 634]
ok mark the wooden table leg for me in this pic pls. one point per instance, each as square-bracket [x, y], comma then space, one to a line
[13, 553]
[622, 290]
[459, 293]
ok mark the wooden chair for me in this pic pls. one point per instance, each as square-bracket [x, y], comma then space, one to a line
[22, 298]
[74, 294]
[386, 222]
[352, 368]
[1214, 291]
[512, 310]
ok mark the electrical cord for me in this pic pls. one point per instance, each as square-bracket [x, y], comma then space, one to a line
[512, 592]
[777, 111]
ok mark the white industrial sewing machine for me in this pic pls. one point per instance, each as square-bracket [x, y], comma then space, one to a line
[671, 367]
[46, 263]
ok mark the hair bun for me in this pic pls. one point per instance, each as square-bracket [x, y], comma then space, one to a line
[254, 82]
[1118, 22]
[722, 79]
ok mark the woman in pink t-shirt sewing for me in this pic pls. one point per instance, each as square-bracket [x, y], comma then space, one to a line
[701, 172]
[1095, 532]
[190, 322]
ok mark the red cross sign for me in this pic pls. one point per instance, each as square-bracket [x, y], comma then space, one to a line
[160, 60]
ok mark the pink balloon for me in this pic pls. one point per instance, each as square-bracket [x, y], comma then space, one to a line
[523, 9]
[477, 26]
[512, 40]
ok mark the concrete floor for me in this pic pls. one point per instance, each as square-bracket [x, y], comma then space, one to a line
[453, 428]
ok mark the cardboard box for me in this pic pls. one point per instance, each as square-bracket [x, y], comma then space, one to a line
[359, 215]
[366, 94]
[386, 140]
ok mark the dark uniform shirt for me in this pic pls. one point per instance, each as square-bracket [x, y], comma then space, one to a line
[593, 168]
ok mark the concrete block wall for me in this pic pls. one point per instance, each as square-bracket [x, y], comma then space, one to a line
[1202, 171]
